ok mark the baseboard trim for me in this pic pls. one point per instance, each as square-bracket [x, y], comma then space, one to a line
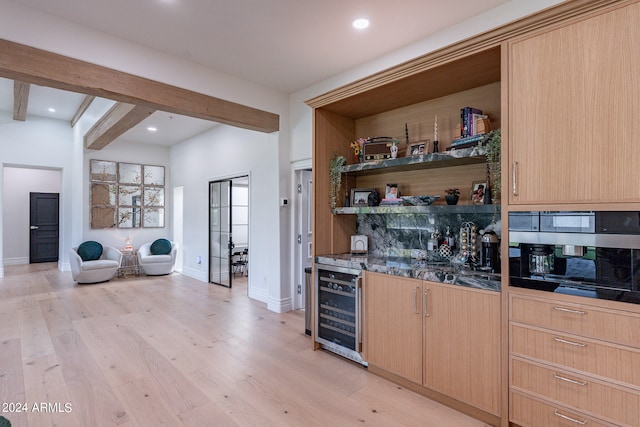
[195, 274]
[16, 261]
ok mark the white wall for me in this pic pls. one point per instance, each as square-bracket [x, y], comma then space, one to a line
[41, 144]
[227, 152]
[18, 183]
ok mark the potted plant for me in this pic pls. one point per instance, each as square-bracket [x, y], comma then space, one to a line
[335, 178]
[452, 195]
[357, 147]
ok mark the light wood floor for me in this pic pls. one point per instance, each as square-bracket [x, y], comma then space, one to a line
[172, 351]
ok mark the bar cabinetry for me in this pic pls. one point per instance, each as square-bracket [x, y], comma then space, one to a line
[444, 337]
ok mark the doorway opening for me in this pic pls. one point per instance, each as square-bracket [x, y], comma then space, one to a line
[229, 231]
[22, 244]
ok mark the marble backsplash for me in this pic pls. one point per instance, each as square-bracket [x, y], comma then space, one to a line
[397, 233]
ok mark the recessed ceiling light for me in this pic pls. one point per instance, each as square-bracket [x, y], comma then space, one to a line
[152, 129]
[360, 23]
[52, 110]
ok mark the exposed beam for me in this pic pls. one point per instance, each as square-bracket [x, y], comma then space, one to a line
[119, 119]
[24, 63]
[20, 100]
[83, 107]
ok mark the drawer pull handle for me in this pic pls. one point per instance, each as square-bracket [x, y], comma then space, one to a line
[573, 420]
[569, 380]
[568, 310]
[577, 344]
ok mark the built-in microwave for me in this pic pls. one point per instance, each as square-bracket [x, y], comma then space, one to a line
[592, 254]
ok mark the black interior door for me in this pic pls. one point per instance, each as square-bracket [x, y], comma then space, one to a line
[44, 227]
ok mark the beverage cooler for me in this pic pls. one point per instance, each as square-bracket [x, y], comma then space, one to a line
[338, 311]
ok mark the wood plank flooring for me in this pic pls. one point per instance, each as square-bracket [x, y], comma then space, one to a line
[173, 351]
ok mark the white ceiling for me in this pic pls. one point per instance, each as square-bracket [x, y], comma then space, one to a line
[283, 44]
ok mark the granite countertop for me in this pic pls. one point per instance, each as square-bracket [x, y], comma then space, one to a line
[442, 272]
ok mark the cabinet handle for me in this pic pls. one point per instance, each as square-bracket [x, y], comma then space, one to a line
[515, 178]
[573, 420]
[424, 303]
[569, 380]
[415, 300]
[568, 310]
[577, 344]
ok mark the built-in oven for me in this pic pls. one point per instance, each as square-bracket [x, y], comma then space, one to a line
[591, 254]
[338, 310]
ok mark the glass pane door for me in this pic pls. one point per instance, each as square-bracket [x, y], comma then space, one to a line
[220, 243]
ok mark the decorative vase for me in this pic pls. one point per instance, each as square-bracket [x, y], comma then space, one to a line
[394, 151]
[451, 200]
[373, 199]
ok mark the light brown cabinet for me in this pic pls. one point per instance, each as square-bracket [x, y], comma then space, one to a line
[462, 344]
[572, 359]
[393, 324]
[573, 112]
[445, 337]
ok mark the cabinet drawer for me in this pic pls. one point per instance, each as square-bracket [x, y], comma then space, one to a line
[527, 411]
[609, 325]
[590, 356]
[605, 400]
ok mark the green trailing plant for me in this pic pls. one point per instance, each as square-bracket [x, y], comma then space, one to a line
[335, 178]
[493, 144]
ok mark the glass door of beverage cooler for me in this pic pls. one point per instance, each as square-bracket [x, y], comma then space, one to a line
[338, 305]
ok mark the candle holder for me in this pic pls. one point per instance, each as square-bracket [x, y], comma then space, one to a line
[435, 146]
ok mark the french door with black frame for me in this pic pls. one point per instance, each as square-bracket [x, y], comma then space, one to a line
[220, 239]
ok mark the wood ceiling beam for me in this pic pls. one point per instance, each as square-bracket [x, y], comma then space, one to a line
[20, 100]
[83, 107]
[119, 119]
[28, 64]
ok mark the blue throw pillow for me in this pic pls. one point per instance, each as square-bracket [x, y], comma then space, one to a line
[160, 247]
[90, 250]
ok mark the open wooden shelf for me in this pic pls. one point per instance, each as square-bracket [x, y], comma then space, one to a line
[429, 209]
[463, 156]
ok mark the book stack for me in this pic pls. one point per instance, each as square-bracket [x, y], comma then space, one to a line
[391, 202]
[470, 134]
[470, 141]
[468, 117]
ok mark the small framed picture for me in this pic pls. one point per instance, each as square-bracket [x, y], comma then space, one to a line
[477, 192]
[392, 191]
[417, 148]
[360, 196]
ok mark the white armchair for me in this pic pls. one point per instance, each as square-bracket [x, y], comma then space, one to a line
[95, 271]
[155, 265]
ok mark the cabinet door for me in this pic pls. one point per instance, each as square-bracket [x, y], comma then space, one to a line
[393, 333]
[462, 344]
[573, 112]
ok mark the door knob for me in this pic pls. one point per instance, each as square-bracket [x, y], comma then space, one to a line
[33, 227]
